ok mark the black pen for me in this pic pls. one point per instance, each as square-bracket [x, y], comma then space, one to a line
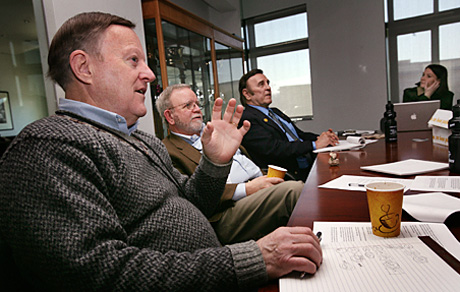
[318, 234]
[356, 185]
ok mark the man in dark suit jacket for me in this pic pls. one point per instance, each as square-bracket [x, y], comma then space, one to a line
[273, 138]
[252, 205]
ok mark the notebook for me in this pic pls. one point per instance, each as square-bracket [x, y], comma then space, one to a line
[414, 116]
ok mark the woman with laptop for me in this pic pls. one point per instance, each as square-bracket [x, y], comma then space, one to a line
[432, 86]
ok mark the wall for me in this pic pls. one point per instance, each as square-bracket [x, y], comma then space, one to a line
[21, 75]
[23, 79]
[251, 8]
[347, 55]
[56, 12]
[347, 51]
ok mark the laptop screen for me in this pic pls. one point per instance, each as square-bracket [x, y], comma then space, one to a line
[414, 116]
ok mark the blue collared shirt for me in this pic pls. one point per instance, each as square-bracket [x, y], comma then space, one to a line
[302, 160]
[242, 170]
[109, 119]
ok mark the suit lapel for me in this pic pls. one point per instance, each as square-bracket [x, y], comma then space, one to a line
[266, 120]
[187, 150]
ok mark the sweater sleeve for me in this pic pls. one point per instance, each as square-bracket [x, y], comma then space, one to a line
[62, 220]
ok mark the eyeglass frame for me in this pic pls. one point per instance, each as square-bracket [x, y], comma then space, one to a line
[190, 105]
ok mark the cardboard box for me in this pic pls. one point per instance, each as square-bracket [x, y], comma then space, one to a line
[439, 122]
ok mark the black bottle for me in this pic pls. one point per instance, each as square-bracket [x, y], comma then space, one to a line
[454, 139]
[389, 123]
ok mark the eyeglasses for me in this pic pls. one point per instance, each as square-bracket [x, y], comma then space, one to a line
[188, 105]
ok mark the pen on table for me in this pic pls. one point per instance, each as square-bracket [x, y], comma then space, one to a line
[319, 238]
[355, 185]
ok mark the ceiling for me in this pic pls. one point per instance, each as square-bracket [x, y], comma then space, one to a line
[18, 31]
[17, 26]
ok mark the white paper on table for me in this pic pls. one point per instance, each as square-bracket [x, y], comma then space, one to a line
[351, 143]
[356, 182]
[396, 264]
[431, 207]
[436, 183]
[407, 167]
[361, 231]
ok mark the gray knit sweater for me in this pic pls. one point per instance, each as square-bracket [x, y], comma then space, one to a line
[82, 209]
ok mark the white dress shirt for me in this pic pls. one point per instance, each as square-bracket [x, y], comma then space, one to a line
[242, 170]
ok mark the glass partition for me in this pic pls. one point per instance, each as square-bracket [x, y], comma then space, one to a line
[229, 71]
[183, 49]
[188, 59]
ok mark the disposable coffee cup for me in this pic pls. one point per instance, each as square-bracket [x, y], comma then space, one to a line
[385, 201]
[276, 171]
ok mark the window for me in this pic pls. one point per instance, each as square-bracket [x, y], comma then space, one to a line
[414, 51]
[448, 4]
[277, 43]
[422, 32]
[410, 8]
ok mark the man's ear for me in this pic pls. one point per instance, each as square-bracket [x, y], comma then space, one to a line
[80, 63]
[168, 116]
[246, 94]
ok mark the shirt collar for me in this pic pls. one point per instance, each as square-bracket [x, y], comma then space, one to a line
[109, 119]
[194, 140]
[260, 108]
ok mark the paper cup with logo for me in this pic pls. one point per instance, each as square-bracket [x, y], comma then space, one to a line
[385, 207]
[276, 171]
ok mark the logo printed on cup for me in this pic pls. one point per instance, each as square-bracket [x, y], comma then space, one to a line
[385, 207]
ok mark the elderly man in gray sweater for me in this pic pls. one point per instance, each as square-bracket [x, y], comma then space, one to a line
[88, 202]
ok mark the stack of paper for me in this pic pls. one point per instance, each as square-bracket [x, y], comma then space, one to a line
[350, 143]
[407, 167]
[431, 207]
[356, 260]
[357, 183]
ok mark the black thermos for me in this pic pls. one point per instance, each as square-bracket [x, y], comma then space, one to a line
[454, 139]
[389, 123]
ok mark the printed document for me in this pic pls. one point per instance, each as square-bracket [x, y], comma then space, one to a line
[407, 167]
[361, 231]
[356, 260]
[351, 143]
[397, 264]
[436, 183]
[431, 207]
[357, 183]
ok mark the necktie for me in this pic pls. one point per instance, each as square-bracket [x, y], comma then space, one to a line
[282, 125]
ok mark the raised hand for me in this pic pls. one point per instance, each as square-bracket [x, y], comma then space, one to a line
[430, 89]
[221, 137]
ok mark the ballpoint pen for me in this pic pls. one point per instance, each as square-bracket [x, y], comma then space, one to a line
[319, 238]
[356, 185]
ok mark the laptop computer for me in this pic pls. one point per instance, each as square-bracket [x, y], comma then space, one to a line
[414, 116]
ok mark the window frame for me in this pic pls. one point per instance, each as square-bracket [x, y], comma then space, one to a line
[252, 52]
[428, 22]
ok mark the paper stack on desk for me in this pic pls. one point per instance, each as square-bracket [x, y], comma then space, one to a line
[357, 182]
[356, 260]
[431, 207]
[407, 167]
[350, 143]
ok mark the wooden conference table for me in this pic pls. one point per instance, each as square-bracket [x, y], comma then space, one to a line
[320, 204]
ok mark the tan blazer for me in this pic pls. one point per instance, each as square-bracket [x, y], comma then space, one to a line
[186, 158]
